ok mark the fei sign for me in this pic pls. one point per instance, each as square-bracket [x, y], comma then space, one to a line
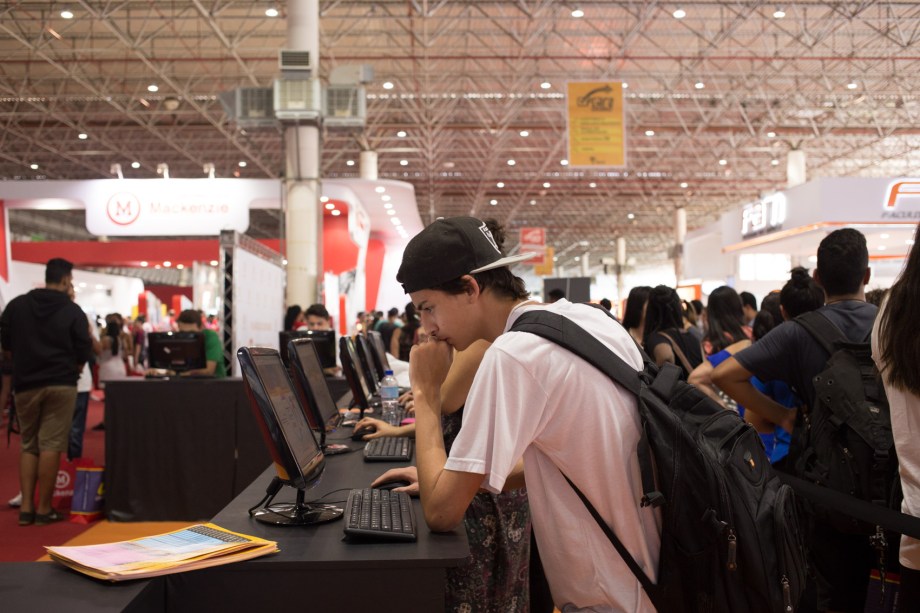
[764, 215]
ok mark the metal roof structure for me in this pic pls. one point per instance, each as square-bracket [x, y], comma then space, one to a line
[717, 93]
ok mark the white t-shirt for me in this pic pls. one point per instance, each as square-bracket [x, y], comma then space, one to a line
[85, 382]
[905, 426]
[534, 398]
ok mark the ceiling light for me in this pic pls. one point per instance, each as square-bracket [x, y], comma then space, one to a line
[349, 162]
[391, 212]
[546, 85]
[153, 88]
[684, 185]
[771, 134]
[180, 266]
[100, 286]
[388, 205]
[144, 264]
[324, 198]
[650, 133]
[625, 85]
[592, 185]
[213, 262]
[401, 134]
[779, 14]
[699, 85]
[774, 162]
[524, 133]
[396, 221]
[546, 185]
[271, 12]
[564, 162]
[135, 164]
[82, 136]
[884, 236]
[555, 259]
[167, 263]
[533, 202]
[723, 162]
[493, 202]
[577, 258]
[852, 85]
[386, 197]
[578, 13]
[330, 206]
[387, 85]
[66, 14]
[511, 162]
[33, 166]
[403, 162]
[631, 216]
[499, 185]
[882, 247]
[380, 189]
[336, 213]
[679, 14]
[242, 164]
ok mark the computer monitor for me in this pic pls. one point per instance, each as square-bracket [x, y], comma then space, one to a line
[298, 458]
[380, 352]
[307, 374]
[177, 351]
[366, 364]
[360, 393]
[324, 343]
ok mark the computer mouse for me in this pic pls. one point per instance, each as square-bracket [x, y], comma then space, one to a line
[390, 485]
[360, 431]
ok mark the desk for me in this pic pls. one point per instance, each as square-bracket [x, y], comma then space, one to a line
[315, 569]
[178, 449]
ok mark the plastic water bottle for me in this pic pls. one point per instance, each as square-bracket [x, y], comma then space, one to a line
[389, 397]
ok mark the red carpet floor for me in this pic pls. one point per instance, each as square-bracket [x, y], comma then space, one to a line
[25, 543]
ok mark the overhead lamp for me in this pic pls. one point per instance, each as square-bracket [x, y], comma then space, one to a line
[388, 205]
[386, 197]
[33, 166]
[625, 85]
[391, 212]
[684, 185]
[771, 134]
[163, 170]
[774, 162]
[115, 169]
[242, 164]
[324, 198]
[167, 263]
[180, 266]
[135, 165]
[852, 85]
[208, 169]
[679, 14]
[213, 262]
[271, 12]
[67, 14]
[144, 264]
[779, 13]
[387, 85]
[546, 85]
[403, 162]
[563, 162]
[380, 189]
[577, 258]
[578, 13]
[336, 212]
[723, 162]
[592, 185]
[650, 133]
[401, 134]
[631, 216]
[499, 185]
[511, 162]
[349, 162]
[533, 202]
[493, 202]
[884, 236]
[699, 85]
[546, 185]
[396, 221]
[153, 88]
[882, 247]
[82, 135]
[524, 133]
[330, 206]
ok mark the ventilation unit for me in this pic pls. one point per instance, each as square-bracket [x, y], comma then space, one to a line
[295, 64]
[345, 106]
[249, 107]
[297, 99]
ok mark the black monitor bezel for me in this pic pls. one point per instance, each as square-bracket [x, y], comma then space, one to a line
[327, 358]
[367, 365]
[184, 339]
[379, 351]
[286, 465]
[359, 391]
[299, 350]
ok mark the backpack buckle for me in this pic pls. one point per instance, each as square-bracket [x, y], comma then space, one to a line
[652, 499]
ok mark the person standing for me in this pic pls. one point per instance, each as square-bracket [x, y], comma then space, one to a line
[84, 387]
[46, 336]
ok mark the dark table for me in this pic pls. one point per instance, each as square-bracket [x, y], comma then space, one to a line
[315, 569]
[178, 449]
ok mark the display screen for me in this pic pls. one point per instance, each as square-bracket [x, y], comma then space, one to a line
[318, 393]
[177, 351]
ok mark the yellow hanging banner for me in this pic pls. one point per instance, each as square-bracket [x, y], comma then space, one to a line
[546, 268]
[595, 124]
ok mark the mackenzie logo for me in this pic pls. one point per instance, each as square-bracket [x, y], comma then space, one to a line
[123, 208]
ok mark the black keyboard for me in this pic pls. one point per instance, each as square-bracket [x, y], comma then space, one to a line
[380, 514]
[388, 449]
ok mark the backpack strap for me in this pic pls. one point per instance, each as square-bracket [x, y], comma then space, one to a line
[822, 330]
[677, 351]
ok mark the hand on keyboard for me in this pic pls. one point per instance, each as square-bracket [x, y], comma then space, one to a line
[409, 473]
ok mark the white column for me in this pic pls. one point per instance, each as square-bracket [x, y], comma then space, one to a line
[680, 234]
[303, 215]
[585, 266]
[368, 165]
[621, 264]
[795, 168]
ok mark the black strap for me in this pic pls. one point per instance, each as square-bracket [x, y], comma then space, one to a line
[854, 507]
[822, 330]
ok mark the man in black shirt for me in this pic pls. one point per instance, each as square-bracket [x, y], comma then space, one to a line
[790, 354]
[46, 336]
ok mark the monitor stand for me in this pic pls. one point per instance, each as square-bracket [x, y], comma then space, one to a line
[297, 513]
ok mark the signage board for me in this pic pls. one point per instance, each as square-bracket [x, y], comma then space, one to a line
[533, 240]
[595, 124]
[764, 215]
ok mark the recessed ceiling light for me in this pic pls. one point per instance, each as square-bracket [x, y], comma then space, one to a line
[684, 185]
[144, 264]
[330, 206]
[564, 162]
[403, 162]
[852, 85]
[524, 133]
[882, 247]
[884, 236]
[180, 266]
[679, 14]
[380, 189]
[699, 85]
[324, 198]
[213, 262]
[82, 136]
[546, 185]
[336, 213]
[625, 85]
[511, 162]
[388, 205]
[779, 14]
[592, 185]
[167, 263]
[650, 133]
[386, 197]
[391, 212]
[33, 166]
[66, 14]
[349, 162]
[271, 12]
[533, 202]
[578, 13]
[395, 221]
[387, 85]
[723, 162]
[774, 162]
[546, 85]
[771, 134]
[242, 164]
[631, 216]
[153, 88]
[577, 258]
[493, 202]
[401, 134]
[499, 185]
[135, 164]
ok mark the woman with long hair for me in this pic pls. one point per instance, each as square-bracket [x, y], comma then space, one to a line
[634, 317]
[294, 318]
[406, 336]
[665, 338]
[724, 320]
[896, 351]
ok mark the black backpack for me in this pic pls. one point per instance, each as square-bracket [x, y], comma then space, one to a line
[730, 536]
[845, 441]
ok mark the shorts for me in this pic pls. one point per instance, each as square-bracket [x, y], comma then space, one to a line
[45, 415]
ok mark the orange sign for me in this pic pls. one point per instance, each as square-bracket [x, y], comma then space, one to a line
[533, 240]
[596, 124]
[546, 268]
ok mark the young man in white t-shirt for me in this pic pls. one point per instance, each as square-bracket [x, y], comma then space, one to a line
[534, 400]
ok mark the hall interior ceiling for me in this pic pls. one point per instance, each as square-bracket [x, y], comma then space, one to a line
[732, 81]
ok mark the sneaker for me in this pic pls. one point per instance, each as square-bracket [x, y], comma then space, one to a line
[16, 501]
[48, 518]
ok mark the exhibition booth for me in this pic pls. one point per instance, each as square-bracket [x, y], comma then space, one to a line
[754, 246]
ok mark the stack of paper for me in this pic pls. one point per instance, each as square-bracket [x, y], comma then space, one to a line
[195, 547]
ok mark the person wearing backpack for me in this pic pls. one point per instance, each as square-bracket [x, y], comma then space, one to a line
[896, 350]
[530, 399]
[790, 353]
